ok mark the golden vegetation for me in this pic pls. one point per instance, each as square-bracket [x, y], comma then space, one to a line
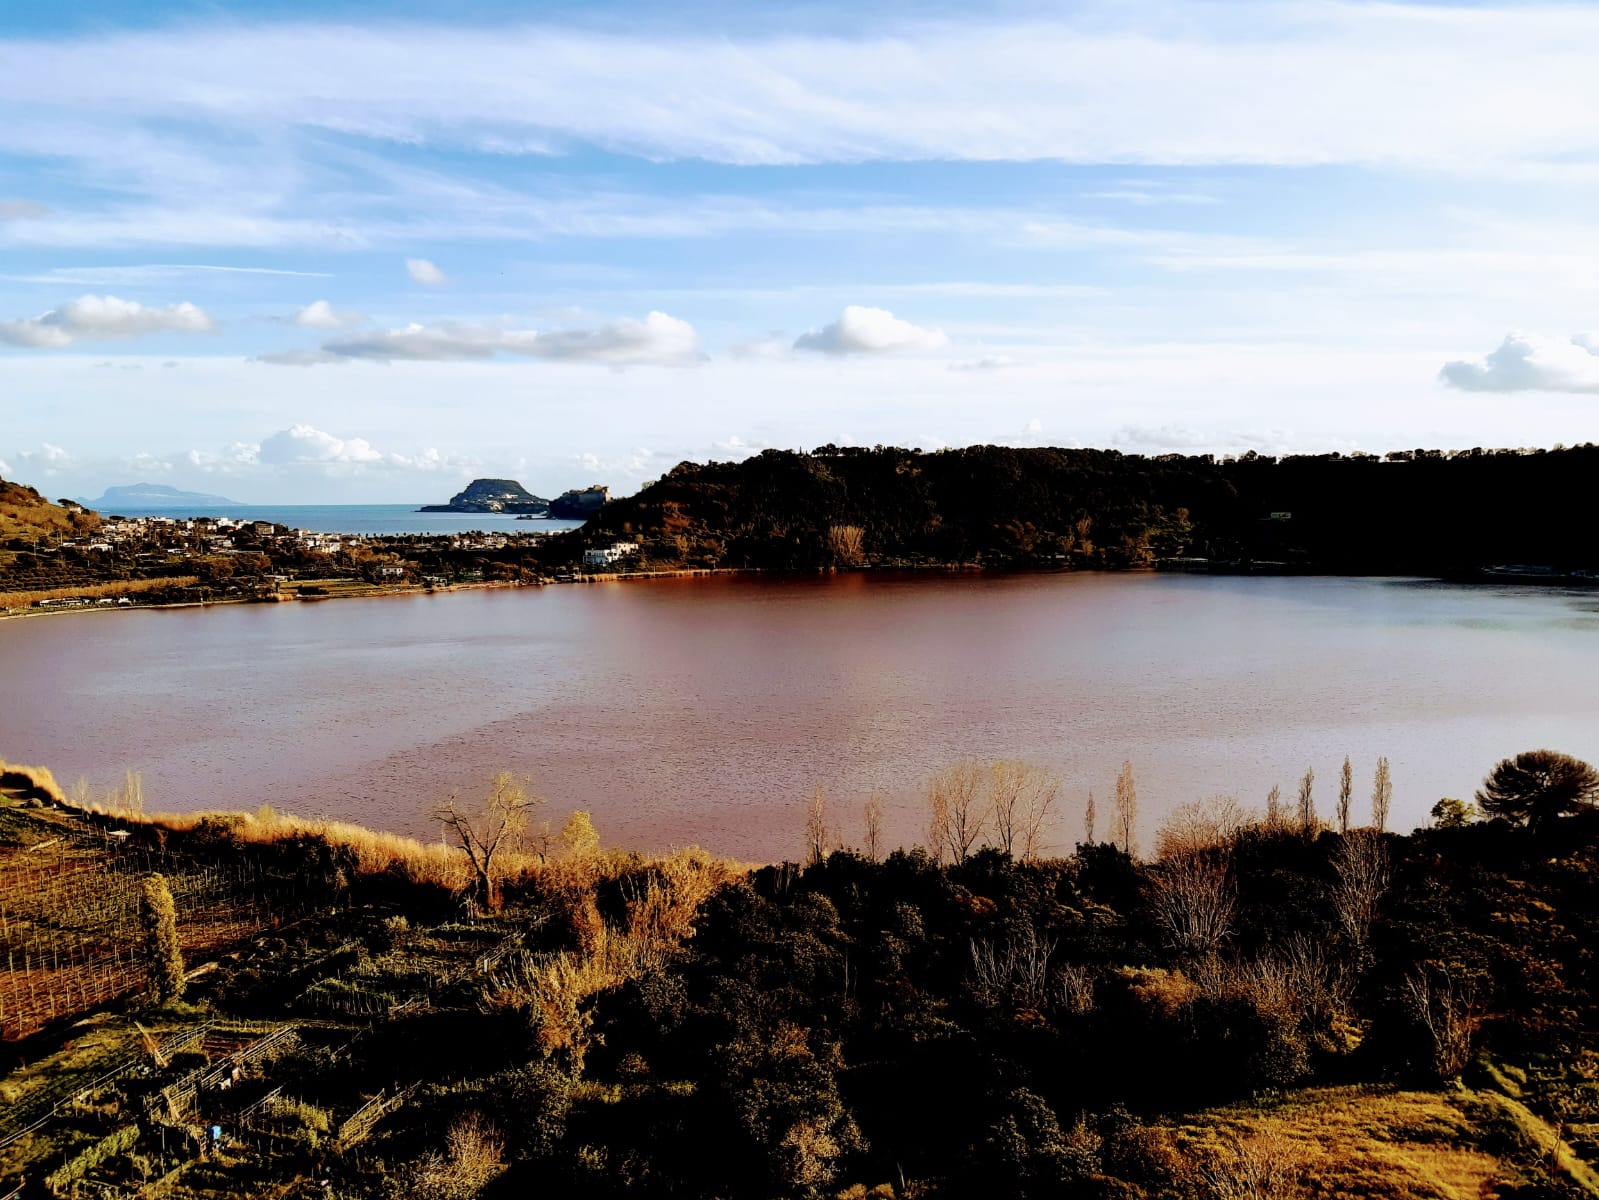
[15, 777]
[25, 513]
[96, 591]
[1364, 1143]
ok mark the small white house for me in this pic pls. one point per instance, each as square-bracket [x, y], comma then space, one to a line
[609, 554]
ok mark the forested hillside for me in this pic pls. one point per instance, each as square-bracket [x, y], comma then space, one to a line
[1422, 511]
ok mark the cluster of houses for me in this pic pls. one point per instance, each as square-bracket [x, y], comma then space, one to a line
[609, 555]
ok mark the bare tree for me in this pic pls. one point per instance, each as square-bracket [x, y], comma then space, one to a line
[874, 826]
[1361, 865]
[476, 1158]
[1193, 896]
[490, 832]
[1346, 789]
[1020, 797]
[957, 799]
[1017, 970]
[816, 828]
[1088, 819]
[1126, 826]
[1307, 802]
[1382, 794]
[1274, 809]
[1042, 792]
[845, 543]
[1208, 824]
[1446, 1006]
[1263, 1166]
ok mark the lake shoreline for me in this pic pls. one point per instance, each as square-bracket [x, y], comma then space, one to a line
[375, 591]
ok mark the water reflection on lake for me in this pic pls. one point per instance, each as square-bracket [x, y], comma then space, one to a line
[706, 710]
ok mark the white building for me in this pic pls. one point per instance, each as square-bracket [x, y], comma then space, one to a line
[608, 555]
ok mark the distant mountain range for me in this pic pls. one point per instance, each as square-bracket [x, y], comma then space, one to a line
[153, 495]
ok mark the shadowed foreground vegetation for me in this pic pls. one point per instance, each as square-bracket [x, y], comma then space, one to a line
[1269, 1008]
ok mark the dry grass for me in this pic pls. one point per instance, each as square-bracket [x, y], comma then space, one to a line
[1358, 1142]
[17, 777]
[25, 513]
[95, 591]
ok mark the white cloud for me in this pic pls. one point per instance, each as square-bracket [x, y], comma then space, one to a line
[1526, 362]
[319, 314]
[424, 272]
[1173, 438]
[5, 468]
[99, 317]
[992, 362]
[49, 459]
[20, 210]
[306, 444]
[863, 330]
[658, 338]
[307, 447]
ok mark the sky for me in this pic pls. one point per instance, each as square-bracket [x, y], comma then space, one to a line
[363, 252]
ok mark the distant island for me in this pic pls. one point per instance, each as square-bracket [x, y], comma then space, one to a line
[509, 496]
[154, 495]
[492, 496]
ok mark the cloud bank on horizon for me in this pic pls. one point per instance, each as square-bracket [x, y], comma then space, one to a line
[1216, 227]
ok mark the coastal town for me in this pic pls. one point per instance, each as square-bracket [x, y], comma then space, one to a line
[121, 562]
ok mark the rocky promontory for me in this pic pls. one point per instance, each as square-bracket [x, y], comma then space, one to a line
[580, 504]
[492, 496]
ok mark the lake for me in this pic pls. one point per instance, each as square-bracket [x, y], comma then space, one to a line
[706, 710]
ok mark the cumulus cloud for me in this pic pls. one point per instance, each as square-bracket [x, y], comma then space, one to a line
[658, 338]
[863, 330]
[423, 271]
[91, 318]
[48, 459]
[307, 447]
[5, 468]
[1527, 362]
[319, 314]
[306, 444]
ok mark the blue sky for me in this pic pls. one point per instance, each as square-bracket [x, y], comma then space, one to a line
[364, 252]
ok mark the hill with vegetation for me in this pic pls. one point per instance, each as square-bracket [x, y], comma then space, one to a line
[1266, 1007]
[26, 516]
[1411, 511]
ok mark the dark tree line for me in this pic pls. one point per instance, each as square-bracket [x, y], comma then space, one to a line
[1408, 511]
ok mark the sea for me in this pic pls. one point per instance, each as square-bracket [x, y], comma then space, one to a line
[358, 518]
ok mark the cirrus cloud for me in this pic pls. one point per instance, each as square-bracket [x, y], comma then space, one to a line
[863, 330]
[92, 318]
[1529, 362]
